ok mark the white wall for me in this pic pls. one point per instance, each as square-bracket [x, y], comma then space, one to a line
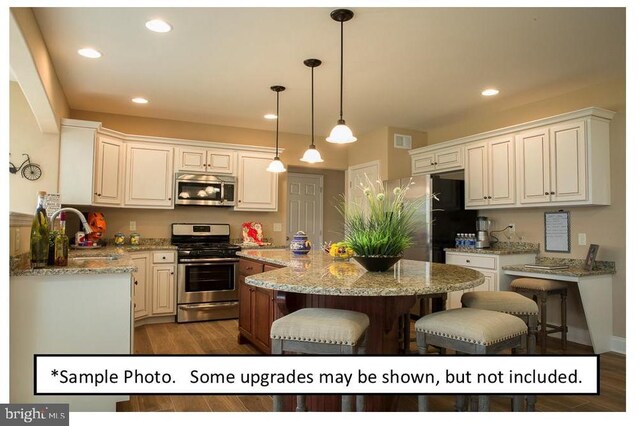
[25, 137]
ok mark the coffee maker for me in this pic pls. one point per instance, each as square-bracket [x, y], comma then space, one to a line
[483, 239]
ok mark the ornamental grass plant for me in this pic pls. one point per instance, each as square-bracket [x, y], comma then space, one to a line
[382, 222]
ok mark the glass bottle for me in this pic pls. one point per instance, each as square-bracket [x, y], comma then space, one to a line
[40, 234]
[62, 244]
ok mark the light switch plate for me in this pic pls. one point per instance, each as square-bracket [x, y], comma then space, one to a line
[132, 225]
[582, 239]
[277, 227]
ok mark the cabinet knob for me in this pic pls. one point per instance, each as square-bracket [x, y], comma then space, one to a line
[136, 282]
[163, 258]
[553, 193]
[484, 197]
[546, 193]
[169, 198]
[468, 261]
[489, 197]
[432, 164]
[435, 164]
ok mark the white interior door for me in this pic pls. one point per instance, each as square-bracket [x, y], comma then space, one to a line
[357, 176]
[304, 206]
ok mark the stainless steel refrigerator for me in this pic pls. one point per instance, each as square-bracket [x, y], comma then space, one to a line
[440, 219]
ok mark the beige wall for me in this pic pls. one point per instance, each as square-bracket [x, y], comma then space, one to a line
[399, 159]
[294, 145]
[604, 225]
[371, 146]
[25, 137]
[31, 32]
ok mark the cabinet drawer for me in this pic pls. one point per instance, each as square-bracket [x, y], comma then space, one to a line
[485, 262]
[164, 257]
[247, 267]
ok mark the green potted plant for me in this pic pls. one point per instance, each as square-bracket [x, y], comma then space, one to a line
[379, 226]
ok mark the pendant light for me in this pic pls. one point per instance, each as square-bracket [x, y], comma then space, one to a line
[341, 133]
[276, 165]
[312, 155]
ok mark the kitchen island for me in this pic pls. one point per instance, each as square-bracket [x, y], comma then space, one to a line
[317, 280]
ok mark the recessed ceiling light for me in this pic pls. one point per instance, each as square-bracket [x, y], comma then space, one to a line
[140, 101]
[490, 92]
[270, 116]
[88, 52]
[158, 26]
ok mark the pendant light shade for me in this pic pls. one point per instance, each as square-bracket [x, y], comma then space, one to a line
[341, 133]
[312, 155]
[276, 165]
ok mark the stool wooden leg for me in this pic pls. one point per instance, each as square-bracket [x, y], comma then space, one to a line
[532, 325]
[423, 403]
[543, 322]
[406, 338]
[277, 403]
[461, 402]
[347, 403]
[483, 403]
[301, 403]
[517, 403]
[359, 403]
[563, 313]
[531, 402]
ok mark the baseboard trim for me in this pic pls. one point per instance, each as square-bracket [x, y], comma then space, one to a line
[619, 345]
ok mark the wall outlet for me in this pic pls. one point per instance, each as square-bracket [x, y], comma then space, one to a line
[132, 225]
[277, 227]
[582, 239]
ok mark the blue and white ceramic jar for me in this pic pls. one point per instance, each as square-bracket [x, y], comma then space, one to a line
[300, 244]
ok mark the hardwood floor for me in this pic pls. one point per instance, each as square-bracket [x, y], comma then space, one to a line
[219, 337]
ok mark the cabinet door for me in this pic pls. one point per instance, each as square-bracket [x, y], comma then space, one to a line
[149, 177]
[140, 285]
[262, 317]
[163, 290]
[568, 162]
[221, 161]
[423, 163]
[257, 188]
[489, 281]
[191, 159]
[244, 299]
[109, 174]
[449, 159]
[77, 164]
[532, 163]
[476, 189]
[502, 177]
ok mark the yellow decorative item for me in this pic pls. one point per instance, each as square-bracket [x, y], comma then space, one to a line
[340, 251]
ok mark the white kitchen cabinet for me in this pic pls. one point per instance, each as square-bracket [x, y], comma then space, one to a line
[257, 188]
[164, 289]
[199, 159]
[441, 160]
[140, 285]
[148, 175]
[489, 265]
[490, 173]
[564, 164]
[109, 176]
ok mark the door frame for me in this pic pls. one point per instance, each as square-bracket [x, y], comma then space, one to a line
[355, 167]
[321, 204]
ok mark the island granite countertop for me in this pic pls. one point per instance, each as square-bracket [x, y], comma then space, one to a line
[500, 248]
[319, 273]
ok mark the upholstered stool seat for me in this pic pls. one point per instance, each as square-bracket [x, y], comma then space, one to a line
[471, 331]
[540, 289]
[318, 331]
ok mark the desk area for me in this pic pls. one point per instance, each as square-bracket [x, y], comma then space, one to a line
[595, 288]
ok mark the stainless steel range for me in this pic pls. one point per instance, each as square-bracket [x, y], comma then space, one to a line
[207, 269]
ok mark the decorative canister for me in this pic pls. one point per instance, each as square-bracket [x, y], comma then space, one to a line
[134, 239]
[300, 244]
[118, 239]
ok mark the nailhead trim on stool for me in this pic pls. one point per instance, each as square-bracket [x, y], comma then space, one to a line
[471, 331]
[317, 331]
[539, 289]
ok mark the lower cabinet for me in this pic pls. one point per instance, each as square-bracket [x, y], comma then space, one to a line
[154, 285]
[257, 307]
[489, 265]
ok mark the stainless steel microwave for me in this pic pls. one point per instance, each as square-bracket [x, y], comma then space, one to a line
[205, 190]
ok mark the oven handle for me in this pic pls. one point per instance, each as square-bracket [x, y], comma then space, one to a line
[206, 307]
[209, 260]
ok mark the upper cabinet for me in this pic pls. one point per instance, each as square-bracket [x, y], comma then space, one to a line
[109, 171]
[489, 173]
[257, 188]
[440, 160]
[556, 161]
[149, 175]
[197, 159]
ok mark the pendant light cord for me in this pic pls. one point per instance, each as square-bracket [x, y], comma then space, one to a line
[277, 120]
[312, 123]
[341, 63]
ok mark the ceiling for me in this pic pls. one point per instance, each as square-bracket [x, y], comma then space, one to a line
[404, 67]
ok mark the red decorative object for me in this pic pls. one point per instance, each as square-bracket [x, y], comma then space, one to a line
[252, 233]
[99, 225]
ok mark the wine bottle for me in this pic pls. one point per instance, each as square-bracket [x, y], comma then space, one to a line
[40, 234]
[61, 250]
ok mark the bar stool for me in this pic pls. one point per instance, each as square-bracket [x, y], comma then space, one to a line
[471, 331]
[540, 289]
[428, 303]
[510, 303]
[319, 331]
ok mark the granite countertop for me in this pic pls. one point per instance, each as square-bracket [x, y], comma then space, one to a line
[103, 260]
[575, 267]
[318, 273]
[500, 248]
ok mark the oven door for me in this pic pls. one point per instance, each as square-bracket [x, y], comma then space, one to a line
[207, 281]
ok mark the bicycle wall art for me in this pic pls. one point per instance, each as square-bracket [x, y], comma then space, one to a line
[29, 170]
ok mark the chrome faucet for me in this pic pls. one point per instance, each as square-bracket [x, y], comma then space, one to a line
[85, 224]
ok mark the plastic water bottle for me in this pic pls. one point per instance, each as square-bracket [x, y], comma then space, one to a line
[458, 240]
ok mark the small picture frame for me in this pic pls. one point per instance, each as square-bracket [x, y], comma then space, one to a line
[591, 257]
